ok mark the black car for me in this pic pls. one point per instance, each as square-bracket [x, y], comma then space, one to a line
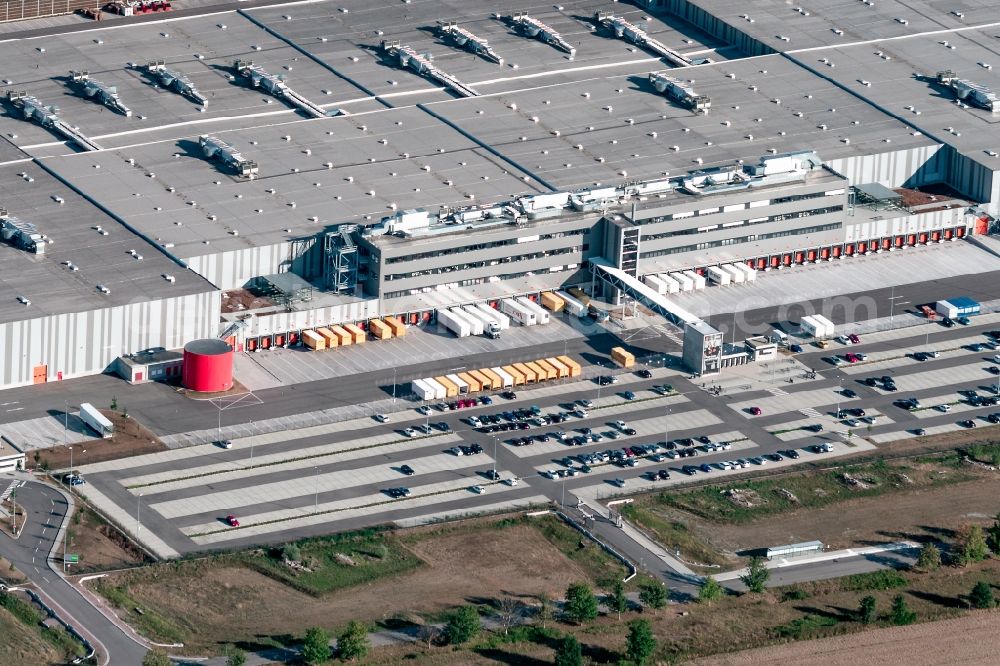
[919, 432]
[795, 349]
[475, 448]
[397, 493]
[628, 395]
[629, 431]
[704, 439]
[605, 380]
[645, 374]
[993, 369]
[815, 427]
[407, 470]
[492, 475]
[690, 470]
[967, 423]
[791, 453]
[891, 388]
[921, 356]
[856, 412]
[947, 322]
[508, 395]
[871, 381]
[848, 393]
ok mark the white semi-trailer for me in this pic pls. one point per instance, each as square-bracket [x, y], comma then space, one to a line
[459, 327]
[96, 421]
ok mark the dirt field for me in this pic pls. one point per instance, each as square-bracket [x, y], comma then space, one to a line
[99, 545]
[229, 604]
[22, 645]
[131, 438]
[974, 639]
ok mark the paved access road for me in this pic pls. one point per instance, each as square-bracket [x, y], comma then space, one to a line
[45, 509]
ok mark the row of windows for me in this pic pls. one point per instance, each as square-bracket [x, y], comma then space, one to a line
[483, 246]
[490, 262]
[743, 223]
[745, 239]
[727, 209]
[475, 281]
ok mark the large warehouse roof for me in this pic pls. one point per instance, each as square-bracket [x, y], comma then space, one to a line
[312, 174]
[67, 276]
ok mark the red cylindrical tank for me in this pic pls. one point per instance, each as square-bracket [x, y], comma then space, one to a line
[208, 366]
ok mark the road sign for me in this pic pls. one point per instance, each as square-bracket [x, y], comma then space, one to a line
[72, 559]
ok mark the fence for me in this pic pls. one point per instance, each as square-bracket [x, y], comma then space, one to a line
[16, 10]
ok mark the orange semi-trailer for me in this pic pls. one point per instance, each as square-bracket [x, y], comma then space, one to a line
[550, 371]
[397, 327]
[484, 380]
[313, 340]
[343, 336]
[530, 376]
[559, 366]
[574, 368]
[516, 374]
[496, 381]
[474, 384]
[357, 333]
[328, 335]
[379, 329]
[451, 389]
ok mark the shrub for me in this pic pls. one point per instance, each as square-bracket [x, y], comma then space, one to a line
[884, 579]
[463, 626]
[982, 595]
[756, 576]
[901, 613]
[581, 604]
[868, 610]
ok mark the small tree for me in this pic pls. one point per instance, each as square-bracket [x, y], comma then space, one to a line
[982, 595]
[581, 604]
[654, 595]
[929, 558]
[235, 656]
[569, 652]
[114, 403]
[756, 576]
[710, 591]
[156, 658]
[617, 601]
[640, 643]
[353, 643]
[993, 536]
[429, 634]
[463, 625]
[544, 614]
[901, 613]
[971, 546]
[316, 646]
[868, 610]
[508, 613]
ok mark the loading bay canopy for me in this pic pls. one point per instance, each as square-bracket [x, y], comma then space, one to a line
[634, 288]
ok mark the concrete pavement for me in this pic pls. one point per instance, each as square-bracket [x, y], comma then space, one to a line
[36, 554]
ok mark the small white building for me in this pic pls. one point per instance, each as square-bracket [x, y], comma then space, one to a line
[11, 458]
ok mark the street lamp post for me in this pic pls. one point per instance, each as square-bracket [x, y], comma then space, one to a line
[840, 387]
[494, 455]
[67, 477]
[666, 429]
[394, 385]
[66, 424]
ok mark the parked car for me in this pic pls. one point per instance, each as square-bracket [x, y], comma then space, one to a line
[381, 418]
[479, 490]
[947, 322]
[796, 349]
[755, 411]
[644, 373]
[855, 340]
[407, 470]
[963, 320]
[232, 521]
[628, 395]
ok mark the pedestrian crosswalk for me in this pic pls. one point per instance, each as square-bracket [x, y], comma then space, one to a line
[809, 411]
[777, 391]
[668, 334]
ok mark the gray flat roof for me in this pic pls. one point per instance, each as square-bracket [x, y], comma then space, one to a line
[370, 173]
[768, 21]
[611, 129]
[903, 83]
[50, 285]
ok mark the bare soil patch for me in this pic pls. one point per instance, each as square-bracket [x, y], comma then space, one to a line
[131, 438]
[222, 604]
[238, 300]
[99, 545]
[965, 640]
[924, 514]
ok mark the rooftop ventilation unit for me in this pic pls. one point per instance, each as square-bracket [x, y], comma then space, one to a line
[175, 81]
[217, 149]
[632, 33]
[681, 93]
[969, 92]
[449, 31]
[93, 89]
[47, 117]
[408, 58]
[21, 234]
[276, 86]
[532, 27]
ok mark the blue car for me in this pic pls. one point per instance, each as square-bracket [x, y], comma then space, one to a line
[486, 400]
[796, 349]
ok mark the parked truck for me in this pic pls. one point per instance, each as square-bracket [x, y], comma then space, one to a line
[698, 281]
[829, 330]
[541, 314]
[459, 327]
[718, 276]
[686, 283]
[518, 312]
[572, 305]
[673, 286]
[813, 328]
[96, 421]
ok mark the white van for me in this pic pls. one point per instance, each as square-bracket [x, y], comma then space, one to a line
[779, 336]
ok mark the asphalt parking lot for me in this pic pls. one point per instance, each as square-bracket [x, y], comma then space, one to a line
[334, 477]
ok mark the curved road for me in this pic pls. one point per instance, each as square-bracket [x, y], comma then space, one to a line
[45, 508]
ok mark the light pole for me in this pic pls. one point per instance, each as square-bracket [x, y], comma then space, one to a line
[840, 387]
[666, 429]
[394, 385]
[67, 477]
[494, 456]
[66, 424]
[138, 525]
